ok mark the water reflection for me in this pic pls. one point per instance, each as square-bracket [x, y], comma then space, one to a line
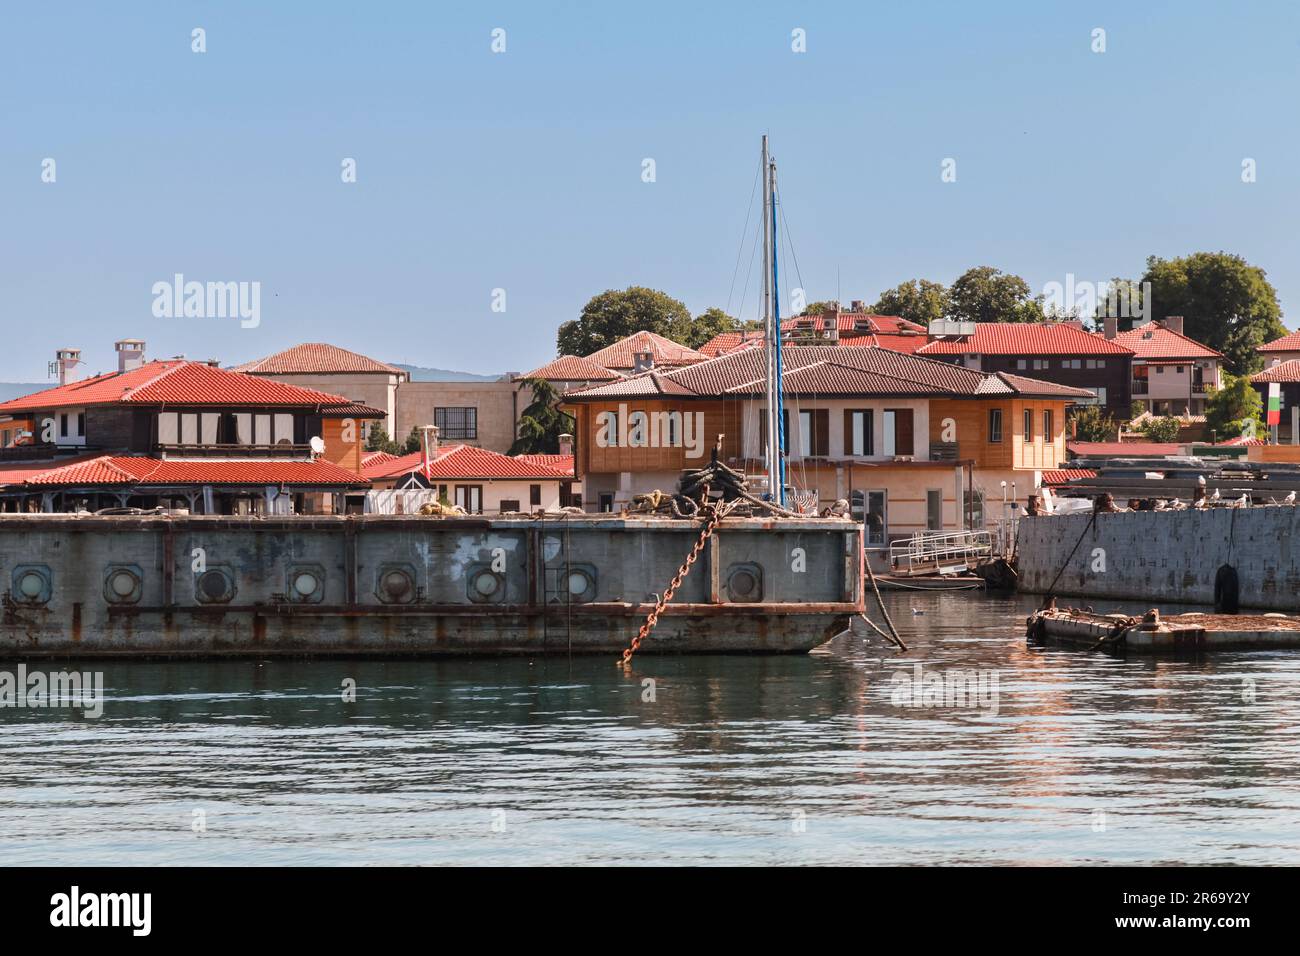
[1089, 758]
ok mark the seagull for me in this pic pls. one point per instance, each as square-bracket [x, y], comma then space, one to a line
[1214, 495]
[1289, 499]
[917, 611]
[1200, 480]
[1242, 502]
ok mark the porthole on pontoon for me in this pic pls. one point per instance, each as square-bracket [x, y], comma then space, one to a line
[486, 583]
[215, 586]
[31, 585]
[305, 583]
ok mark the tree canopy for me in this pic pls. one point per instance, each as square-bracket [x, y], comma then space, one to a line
[616, 314]
[917, 300]
[1226, 303]
[541, 423]
[1235, 410]
[986, 294]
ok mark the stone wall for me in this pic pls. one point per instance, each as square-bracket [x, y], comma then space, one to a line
[1155, 557]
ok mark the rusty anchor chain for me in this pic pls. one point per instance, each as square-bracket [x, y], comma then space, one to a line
[719, 512]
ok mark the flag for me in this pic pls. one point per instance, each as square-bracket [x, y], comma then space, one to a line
[1274, 403]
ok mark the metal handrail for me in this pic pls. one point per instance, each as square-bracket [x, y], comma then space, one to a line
[939, 548]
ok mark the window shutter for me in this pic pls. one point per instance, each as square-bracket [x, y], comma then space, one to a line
[821, 432]
[903, 432]
[848, 433]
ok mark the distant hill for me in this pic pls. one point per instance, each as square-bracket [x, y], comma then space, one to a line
[12, 390]
[419, 373]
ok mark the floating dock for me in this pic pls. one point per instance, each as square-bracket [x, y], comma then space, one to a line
[216, 586]
[1153, 633]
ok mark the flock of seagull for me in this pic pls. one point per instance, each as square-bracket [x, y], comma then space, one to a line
[1214, 499]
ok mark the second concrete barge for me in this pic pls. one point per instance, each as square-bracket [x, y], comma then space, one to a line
[209, 586]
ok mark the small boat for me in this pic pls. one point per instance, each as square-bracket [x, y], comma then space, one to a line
[1152, 633]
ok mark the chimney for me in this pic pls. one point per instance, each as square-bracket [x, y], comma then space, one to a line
[1111, 324]
[130, 354]
[65, 363]
[857, 305]
[430, 449]
[566, 444]
[643, 361]
[1174, 323]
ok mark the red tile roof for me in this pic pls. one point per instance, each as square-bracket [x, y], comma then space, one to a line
[725, 342]
[352, 410]
[1288, 371]
[466, 461]
[853, 322]
[571, 368]
[826, 370]
[562, 463]
[1287, 343]
[1025, 338]
[129, 470]
[1061, 476]
[316, 357]
[173, 382]
[667, 353]
[1154, 341]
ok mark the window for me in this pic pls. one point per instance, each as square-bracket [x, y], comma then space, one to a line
[1179, 370]
[1071, 363]
[470, 498]
[509, 504]
[1021, 364]
[1160, 370]
[1096, 363]
[606, 502]
[934, 509]
[859, 432]
[1049, 433]
[898, 430]
[762, 431]
[456, 423]
[1042, 363]
[63, 425]
[814, 432]
[995, 425]
[534, 495]
[81, 421]
[1029, 426]
[871, 508]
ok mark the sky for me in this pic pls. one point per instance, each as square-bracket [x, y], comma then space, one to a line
[496, 192]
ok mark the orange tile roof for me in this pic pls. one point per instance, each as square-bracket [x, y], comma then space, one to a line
[666, 352]
[562, 463]
[826, 370]
[853, 322]
[1287, 343]
[1060, 476]
[1154, 341]
[173, 382]
[316, 357]
[127, 470]
[1288, 371]
[468, 462]
[1025, 338]
[571, 368]
[725, 342]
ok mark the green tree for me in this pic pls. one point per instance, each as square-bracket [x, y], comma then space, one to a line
[985, 294]
[542, 423]
[1090, 423]
[819, 308]
[378, 440]
[414, 441]
[1163, 429]
[917, 300]
[1235, 410]
[706, 325]
[615, 314]
[1225, 302]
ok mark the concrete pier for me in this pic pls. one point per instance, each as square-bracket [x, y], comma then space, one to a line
[1153, 557]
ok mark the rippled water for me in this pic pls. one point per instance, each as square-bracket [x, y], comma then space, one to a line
[782, 760]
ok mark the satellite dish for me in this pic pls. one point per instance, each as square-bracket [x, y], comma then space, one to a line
[317, 445]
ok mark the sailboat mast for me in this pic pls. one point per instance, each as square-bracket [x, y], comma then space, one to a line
[772, 336]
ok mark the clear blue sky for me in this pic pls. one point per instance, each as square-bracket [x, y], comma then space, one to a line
[522, 170]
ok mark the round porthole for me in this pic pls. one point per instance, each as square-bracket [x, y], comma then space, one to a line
[395, 585]
[581, 584]
[305, 584]
[31, 584]
[486, 583]
[215, 586]
[122, 586]
[745, 583]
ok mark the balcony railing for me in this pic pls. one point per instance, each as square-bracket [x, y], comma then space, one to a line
[282, 450]
[1140, 386]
